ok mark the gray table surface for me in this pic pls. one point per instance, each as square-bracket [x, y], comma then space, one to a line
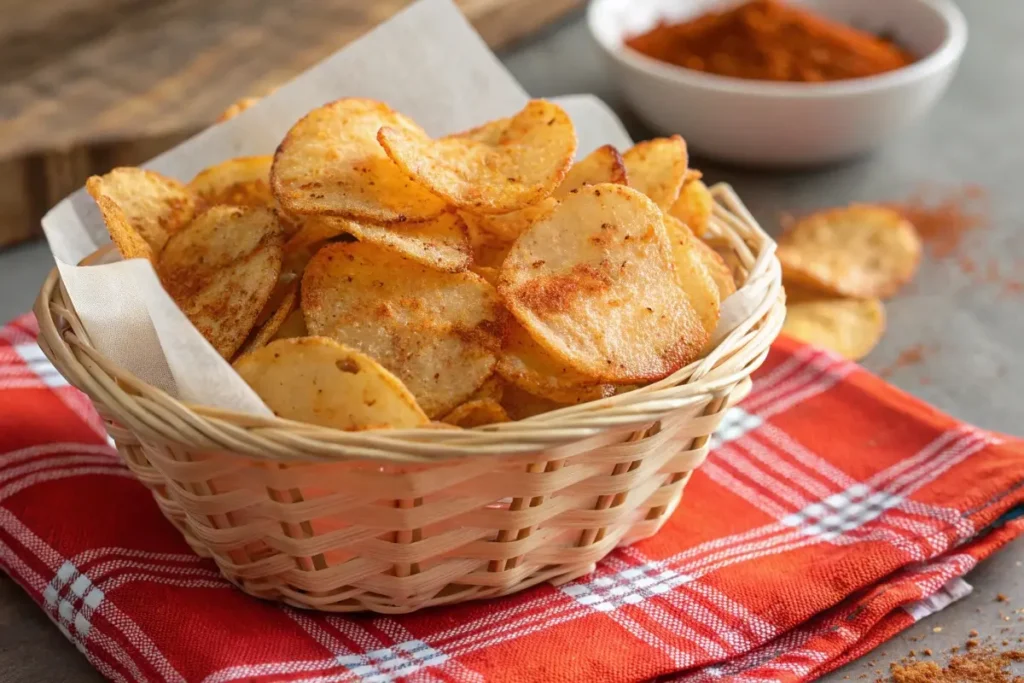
[972, 330]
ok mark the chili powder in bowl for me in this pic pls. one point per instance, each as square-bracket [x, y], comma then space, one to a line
[771, 83]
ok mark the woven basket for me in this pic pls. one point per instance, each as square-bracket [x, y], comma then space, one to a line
[393, 521]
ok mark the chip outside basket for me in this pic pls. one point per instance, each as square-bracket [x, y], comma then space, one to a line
[394, 521]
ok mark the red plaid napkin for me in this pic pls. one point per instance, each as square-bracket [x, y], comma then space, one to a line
[833, 512]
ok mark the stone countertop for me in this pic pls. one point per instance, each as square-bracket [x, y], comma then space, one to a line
[967, 326]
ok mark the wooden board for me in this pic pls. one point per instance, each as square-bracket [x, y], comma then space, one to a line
[92, 84]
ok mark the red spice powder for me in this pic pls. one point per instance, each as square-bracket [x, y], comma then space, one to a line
[909, 356]
[944, 219]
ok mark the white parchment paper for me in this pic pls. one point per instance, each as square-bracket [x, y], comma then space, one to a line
[427, 62]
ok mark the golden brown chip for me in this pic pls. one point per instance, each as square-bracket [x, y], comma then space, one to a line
[514, 164]
[237, 108]
[276, 311]
[125, 237]
[594, 284]
[520, 404]
[492, 388]
[850, 327]
[438, 332]
[221, 271]
[695, 204]
[859, 251]
[442, 243]
[243, 181]
[603, 165]
[491, 236]
[693, 274]
[721, 272]
[529, 366]
[293, 326]
[322, 382]
[658, 169]
[331, 164]
[489, 273]
[476, 413]
[156, 206]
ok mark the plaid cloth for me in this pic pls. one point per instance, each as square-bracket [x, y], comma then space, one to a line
[833, 512]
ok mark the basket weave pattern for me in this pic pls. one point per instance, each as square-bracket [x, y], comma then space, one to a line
[393, 521]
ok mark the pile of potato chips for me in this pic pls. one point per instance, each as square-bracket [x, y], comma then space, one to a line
[368, 276]
[837, 266]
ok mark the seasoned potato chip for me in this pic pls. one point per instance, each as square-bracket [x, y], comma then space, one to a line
[493, 388]
[156, 206]
[330, 163]
[489, 273]
[273, 316]
[243, 181]
[859, 251]
[520, 404]
[442, 243]
[477, 413]
[221, 271]
[125, 237]
[594, 284]
[721, 272]
[529, 366]
[509, 166]
[658, 169]
[695, 204]
[438, 332]
[850, 327]
[237, 108]
[319, 381]
[693, 274]
[491, 236]
[603, 165]
[293, 326]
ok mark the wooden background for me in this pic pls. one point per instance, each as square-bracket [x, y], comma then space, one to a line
[86, 85]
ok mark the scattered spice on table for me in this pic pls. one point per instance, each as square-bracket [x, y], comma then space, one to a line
[980, 664]
[771, 40]
[908, 357]
[944, 217]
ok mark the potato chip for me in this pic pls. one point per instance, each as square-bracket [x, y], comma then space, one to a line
[125, 237]
[850, 327]
[156, 206]
[331, 164]
[512, 164]
[692, 272]
[658, 169]
[519, 404]
[529, 366]
[438, 332]
[319, 381]
[237, 108]
[293, 326]
[695, 204]
[221, 271]
[442, 243]
[492, 235]
[489, 273]
[476, 413]
[859, 251]
[594, 284]
[493, 388]
[275, 313]
[603, 165]
[721, 272]
[243, 181]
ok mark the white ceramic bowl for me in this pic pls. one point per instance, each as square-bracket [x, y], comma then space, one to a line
[784, 124]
